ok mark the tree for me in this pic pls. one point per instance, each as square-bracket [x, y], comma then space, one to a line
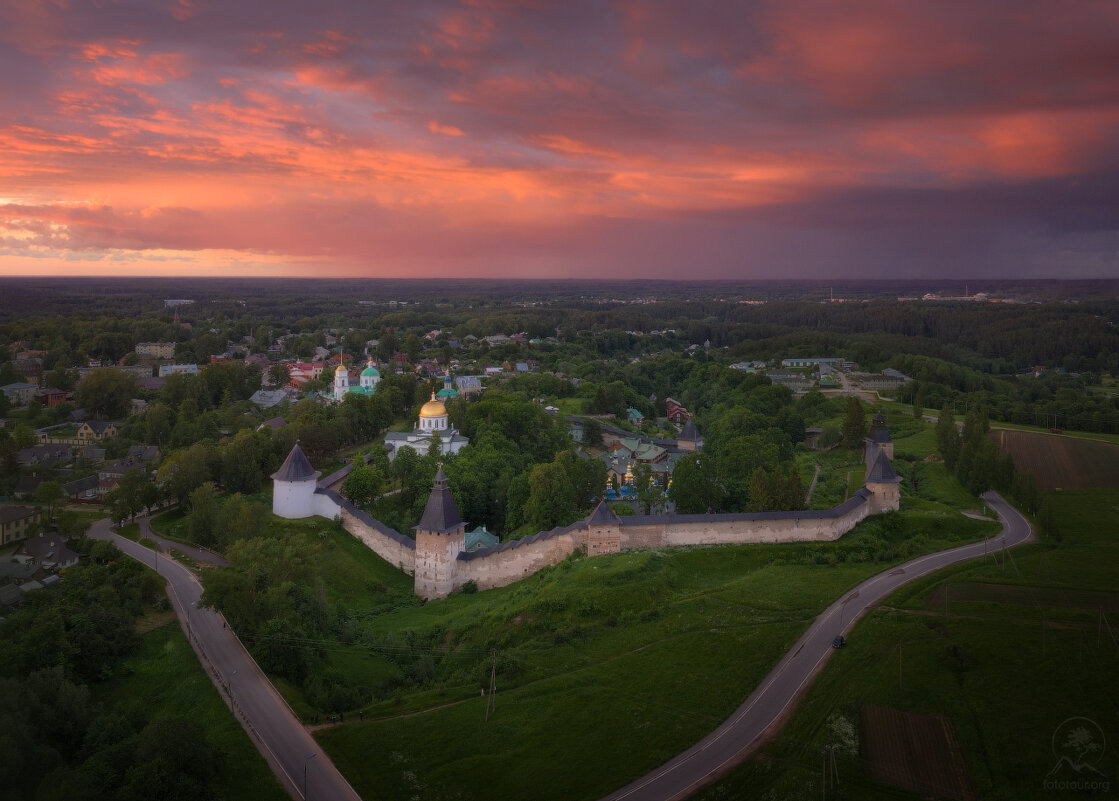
[649, 492]
[23, 436]
[159, 420]
[240, 519]
[976, 427]
[182, 472]
[854, 424]
[241, 463]
[106, 392]
[947, 437]
[362, 485]
[203, 517]
[693, 489]
[149, 496]
[279, 374]
[552, 501]
[50, 493]
[517, 497]
[592, 433]
[918, 402]
[130, 491]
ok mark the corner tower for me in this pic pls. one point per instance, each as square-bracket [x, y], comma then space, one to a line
[879, 436]
[440, 538]
[882, 480]
[293, 487]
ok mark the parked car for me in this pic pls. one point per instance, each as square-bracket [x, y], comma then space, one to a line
[838, 642]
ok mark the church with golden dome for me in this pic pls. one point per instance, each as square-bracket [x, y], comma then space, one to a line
[432, 423]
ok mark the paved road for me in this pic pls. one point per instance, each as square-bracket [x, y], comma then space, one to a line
[733, 740]
[195, 553]
[275, 730]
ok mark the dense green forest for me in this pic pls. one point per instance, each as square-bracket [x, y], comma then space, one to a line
[61, 656]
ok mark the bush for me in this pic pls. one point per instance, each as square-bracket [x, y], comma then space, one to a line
[470, 587]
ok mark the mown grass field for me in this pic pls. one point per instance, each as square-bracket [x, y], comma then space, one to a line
[165, 679]
[1005, 673]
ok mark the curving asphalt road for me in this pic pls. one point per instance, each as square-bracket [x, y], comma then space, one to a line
[763, 710]
[274, 728]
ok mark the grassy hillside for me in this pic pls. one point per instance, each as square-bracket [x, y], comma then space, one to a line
[1021, 650]
[612, 664]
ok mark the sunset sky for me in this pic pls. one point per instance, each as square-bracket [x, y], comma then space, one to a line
[798, 138]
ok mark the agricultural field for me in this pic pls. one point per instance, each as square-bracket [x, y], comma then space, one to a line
[1059, 462]
[977, 645]
[915, 752]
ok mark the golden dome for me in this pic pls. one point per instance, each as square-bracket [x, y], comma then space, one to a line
[433, 408]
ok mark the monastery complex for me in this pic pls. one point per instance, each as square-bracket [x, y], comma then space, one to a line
[440, 562]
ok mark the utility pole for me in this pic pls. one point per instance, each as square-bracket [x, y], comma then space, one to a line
[899, 665]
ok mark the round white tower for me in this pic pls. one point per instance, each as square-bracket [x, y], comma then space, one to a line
[293, 486]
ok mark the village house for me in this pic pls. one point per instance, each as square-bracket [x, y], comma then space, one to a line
[675, 411]
[44, 454]
[156, 350]
[48, 551]
[82, 490]
[97, 430]
[16, 522]
[20, 393]
[50, 397]
[176, 369]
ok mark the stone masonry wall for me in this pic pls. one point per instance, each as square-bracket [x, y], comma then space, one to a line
[502, 565]
[393, 547]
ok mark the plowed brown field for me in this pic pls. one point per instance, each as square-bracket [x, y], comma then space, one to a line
[915, 752]
[1062, 462]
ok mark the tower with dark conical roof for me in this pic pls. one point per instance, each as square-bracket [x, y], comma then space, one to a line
[882, 480]
[440, 538]
[689, 438]
[293, 486]
[878, 438]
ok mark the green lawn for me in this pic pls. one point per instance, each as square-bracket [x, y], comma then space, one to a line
[164, 679]
[172, 524]
[130, 532]
[1005, 675]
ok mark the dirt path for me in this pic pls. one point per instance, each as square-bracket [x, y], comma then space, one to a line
[812, 486]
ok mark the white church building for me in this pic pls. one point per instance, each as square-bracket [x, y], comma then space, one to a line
[367, 382]
[432, 423]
